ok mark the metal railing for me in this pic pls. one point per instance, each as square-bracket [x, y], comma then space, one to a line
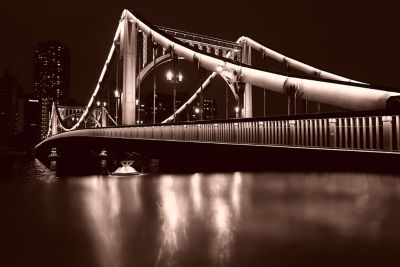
[368, 133]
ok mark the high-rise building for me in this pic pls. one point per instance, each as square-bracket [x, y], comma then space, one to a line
[10, 115]
[31, 119]
[51, 78]
[209, 109]
[164, 107]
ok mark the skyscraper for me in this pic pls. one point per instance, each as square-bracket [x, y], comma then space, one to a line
[51, 78]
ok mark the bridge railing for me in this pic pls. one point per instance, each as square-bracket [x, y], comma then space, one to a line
[374, 133]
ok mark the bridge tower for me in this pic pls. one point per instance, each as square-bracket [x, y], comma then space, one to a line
[128, 53]
[248, 89]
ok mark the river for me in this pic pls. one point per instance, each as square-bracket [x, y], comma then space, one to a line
[197, 219]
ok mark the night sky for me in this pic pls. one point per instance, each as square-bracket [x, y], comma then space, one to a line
[359, 40]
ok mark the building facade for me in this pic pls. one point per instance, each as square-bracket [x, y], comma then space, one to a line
[209, 110]
[51, 78]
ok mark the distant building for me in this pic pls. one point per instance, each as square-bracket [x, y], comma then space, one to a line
[11, 109]
[164, 107]
[209, 110]
[51, 78]
[31, 119]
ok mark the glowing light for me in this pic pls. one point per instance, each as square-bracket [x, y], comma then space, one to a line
[237, 109]
[222, 240]
[169, 75]
[116, 93]
[180, 77]
[98, 103]
[235, 193]
[221, 215]
[197, 110]
[173, 212]
[196, 192]
[102, 203]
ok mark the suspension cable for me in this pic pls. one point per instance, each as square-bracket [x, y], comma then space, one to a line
[97, 88]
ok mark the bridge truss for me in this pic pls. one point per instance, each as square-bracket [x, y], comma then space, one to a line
[229, 60]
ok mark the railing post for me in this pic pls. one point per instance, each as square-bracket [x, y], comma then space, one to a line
[215, 135]
[199, 133]
[398, 132]
[387, 133]
[332, 132]
[292, 132]
[236, 130]
[261, 132]
[371, 133]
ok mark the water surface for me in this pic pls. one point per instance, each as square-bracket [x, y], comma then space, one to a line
[199, 219]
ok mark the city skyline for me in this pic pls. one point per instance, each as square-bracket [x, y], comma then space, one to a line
[51, 78]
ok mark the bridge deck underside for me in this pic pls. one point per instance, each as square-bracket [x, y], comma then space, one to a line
[188, 155]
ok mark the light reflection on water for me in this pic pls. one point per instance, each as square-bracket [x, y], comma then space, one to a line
[102, 205]
[226, 219]
[173, 212]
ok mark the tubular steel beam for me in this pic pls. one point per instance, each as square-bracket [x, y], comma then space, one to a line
[342, 95]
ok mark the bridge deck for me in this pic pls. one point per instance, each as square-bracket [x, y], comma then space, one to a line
[357, 134]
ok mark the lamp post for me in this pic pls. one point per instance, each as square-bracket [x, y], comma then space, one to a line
[197, 111]
[237, 111]
[154, 80]
[117, 96]
[174, 79]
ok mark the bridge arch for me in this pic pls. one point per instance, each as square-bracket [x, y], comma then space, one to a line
[167, 58]
[89, 117]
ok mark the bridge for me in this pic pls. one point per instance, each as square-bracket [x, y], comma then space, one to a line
[367, 134]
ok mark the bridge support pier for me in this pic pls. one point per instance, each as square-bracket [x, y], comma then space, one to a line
[129, 53]
[103, 117]
[248, 90]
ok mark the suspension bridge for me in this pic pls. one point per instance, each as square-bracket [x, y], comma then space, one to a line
[369, 132]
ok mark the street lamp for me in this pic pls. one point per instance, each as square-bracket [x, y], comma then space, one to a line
[196, 112]
[174, 79]
[117, 96]
[104, 104]
[98, 103]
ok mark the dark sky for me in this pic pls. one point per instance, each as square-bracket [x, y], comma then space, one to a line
[356, 39]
